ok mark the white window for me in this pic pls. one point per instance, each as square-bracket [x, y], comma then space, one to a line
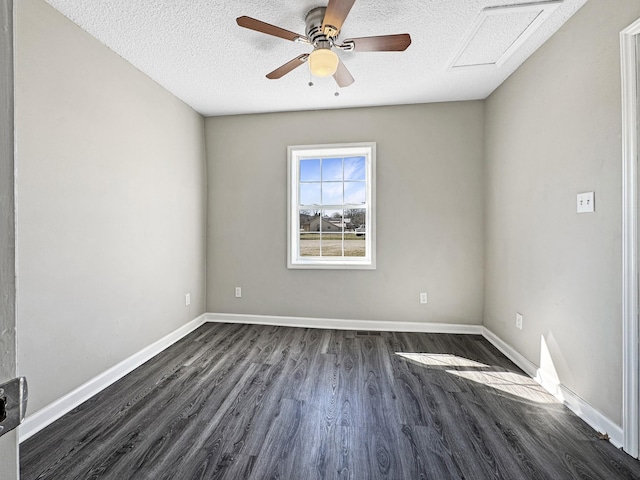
[331, 206]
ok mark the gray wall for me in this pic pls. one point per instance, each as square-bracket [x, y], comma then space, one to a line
[8, 442]
[111, 206]
[552, 131]
[429, 215]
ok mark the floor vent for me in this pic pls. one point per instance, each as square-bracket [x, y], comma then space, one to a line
[368, 334]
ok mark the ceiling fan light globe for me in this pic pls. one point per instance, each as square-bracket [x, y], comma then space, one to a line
[323, 62]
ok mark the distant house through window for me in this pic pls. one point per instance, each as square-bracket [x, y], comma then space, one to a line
[331, 206]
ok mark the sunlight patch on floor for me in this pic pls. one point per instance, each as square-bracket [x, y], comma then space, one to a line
[508, 382]
[440, 359]
[516, 384]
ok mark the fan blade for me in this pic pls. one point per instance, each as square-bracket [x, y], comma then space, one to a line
[334, 16]
[287, 67]
[259, 26]
[342, 76]
[383, 43]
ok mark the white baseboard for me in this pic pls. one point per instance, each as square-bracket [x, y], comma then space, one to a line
[45, 416]
[342, 324]
[574, 402]
[529, 368]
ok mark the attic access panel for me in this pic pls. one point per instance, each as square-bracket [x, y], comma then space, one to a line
[498, 32]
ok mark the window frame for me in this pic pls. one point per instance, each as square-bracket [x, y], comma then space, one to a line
[295, 153]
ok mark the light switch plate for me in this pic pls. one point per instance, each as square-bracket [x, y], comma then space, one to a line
[585, 202]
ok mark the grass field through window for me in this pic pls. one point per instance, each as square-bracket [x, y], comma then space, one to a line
[332, 244]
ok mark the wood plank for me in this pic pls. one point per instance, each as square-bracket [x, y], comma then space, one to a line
[350, 411]
[426, 455]
[276, 458]
[383, 429]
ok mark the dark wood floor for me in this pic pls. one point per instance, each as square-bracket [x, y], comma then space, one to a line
[259, 402]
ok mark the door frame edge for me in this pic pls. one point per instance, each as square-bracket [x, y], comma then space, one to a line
[630, 324]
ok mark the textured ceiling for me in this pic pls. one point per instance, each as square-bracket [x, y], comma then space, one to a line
[195, 50]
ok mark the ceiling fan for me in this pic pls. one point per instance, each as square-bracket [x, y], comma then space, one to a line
[323, 26]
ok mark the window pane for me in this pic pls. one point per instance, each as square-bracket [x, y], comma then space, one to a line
[355, 236]
[331, 169]
[354, 168]
[310, 170]
[309, 244]
[309, 221]
[310, 193]
[356, 217]
[355, 192]
[333, 220]
[332, 193]
[332, 233]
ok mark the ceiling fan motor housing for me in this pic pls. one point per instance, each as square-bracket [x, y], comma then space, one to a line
[314, 28]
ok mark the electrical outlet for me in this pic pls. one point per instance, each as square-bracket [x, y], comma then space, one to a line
[187, 299]
[585, 202]
[423, 297]
[238, 292]
[519, 321]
